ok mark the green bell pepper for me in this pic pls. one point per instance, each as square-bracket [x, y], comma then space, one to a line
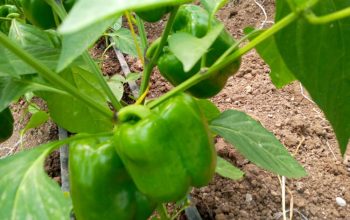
[7, 12]
[6, 122]
[168, 149]
[101, 188]
[153, 15]
[193, 19]
[40, 14]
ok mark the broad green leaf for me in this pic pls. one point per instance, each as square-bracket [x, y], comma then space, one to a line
[86, 13]
[124, 41]
[256, 143]
[301, 4]
[212, 6]
[318, 56]
[38, 43]
[74, 44]
[118, 24]
[131, 77]
[226, 169]
[37, 119]
[26, 192]
[209, 109]
[180, 42]
[6, 122]
[73, 115]
[268, 50]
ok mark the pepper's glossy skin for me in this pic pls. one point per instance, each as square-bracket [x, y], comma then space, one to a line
[6, 122]
[5, 12]
[101, 188]
[154, 15]
[193, 19]
[40, 14]
[168, 149]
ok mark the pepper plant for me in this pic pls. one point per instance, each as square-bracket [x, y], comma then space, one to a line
[128, 160]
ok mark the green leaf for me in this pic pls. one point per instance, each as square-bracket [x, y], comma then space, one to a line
[212, 6]
[74, 44]
[209, 109]
[26, 192]
[37, 119]
[116, 84]
[118, 24]
[6, 122]
[318, 56]
[73, 115]
[226, 169]
[37, 42]
[87, 13]
[257, 144]
[268, 50]
[131, 77]
[180, 42]
[124, 41]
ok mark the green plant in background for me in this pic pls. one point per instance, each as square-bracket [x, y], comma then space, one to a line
[120, 167]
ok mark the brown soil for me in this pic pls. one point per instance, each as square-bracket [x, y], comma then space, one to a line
[296, 121]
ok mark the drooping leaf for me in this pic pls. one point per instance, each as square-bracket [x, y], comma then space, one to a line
[116, 84]
[26, 192]
[37, 119]
[86, 13]
[180, 42]
[6, 122]
[209, 109]
[257, 144]
[268, 50]
[73, 115]
[124, 41]
[226, 169]
[74, 44]
[318, 56]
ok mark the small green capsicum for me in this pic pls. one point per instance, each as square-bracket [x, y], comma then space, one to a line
[194, 20]
[101, 188]
[167, 149]
[153, 15]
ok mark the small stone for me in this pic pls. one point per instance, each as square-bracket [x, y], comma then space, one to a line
[220, 217]
[248, 198]
[299, 187]
[249, 89]
[340, 201]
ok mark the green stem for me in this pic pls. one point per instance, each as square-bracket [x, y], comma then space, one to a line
[5, 19]
[150, 65]
[142, 32]
[229, 59]
[312, 18]
[52, 77]
[61, 12]
[161, 209]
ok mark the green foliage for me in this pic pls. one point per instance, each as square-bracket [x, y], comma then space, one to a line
[256, 143]
[226, 169]
[318, 56]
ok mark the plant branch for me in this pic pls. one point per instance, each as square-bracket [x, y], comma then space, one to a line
[133, 34]
[202, 75]
[142, 32]
[162, 212]
[52, 77]
[150, 65]
[312, 18]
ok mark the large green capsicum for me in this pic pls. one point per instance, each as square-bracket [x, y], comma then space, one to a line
[40, 14]
[167, 149]
[101, 188]
[193, 19]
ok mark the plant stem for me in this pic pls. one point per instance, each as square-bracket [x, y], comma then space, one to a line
[162, 212]
[133, 34]
[312, 18]
[142, 32]
[150, 65]
[52, 77]
[229, 59]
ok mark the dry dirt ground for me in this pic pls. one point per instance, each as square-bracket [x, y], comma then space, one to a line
[296, 121]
